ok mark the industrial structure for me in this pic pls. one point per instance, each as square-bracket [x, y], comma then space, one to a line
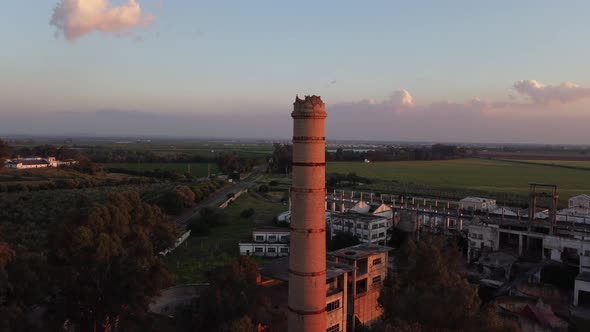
[307, 261]
[353, 279]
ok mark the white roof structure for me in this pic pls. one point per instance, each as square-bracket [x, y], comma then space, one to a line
[476, 200]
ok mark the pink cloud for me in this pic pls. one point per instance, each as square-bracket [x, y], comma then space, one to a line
[540, 93]
[76, 18]
[535, 92]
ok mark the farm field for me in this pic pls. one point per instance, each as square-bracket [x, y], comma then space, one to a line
[196, 169]
[190, 261]
[474, 174]
[574, 163]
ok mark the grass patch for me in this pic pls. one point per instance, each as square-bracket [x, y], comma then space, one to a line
[190, 262]
[470, 174]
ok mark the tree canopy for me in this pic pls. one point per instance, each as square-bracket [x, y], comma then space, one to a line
[428, 291]
[229, 302]
[106, 262]
[5, 151]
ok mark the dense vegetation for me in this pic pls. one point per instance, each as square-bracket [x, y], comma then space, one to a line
[100, 263]
[430, 271]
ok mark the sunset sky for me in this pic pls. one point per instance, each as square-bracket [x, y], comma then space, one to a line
[476, 71]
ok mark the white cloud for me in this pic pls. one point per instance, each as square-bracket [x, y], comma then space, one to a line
[540, 93]
[76, 18]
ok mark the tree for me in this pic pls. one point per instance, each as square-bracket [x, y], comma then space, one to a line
[105, 259]
[5, 152]
[8, 310]
[231, 297]
[282, 157]
[429, 289]
[247, 213]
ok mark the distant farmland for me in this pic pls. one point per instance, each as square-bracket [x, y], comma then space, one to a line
[196, 169]
[473, 174]
[573, 163]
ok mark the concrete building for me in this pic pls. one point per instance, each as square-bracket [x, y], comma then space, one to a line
[370, 264]
[580, 201]
[477, 204]
[578, 210]
[368, 228]
[569, 246]
[354, 277]
[275, 287]
[269, 242]
[307, 260]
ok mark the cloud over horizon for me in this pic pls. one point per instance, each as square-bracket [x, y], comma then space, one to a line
[534, 92]
[540, 93]
[76, 18]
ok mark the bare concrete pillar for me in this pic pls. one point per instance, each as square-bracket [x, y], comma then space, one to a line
[371, 197]
[448, 205]
[412, 200]
[307, 259]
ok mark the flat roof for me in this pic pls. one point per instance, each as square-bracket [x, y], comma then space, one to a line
[358, 216]
[279, 269]
[272, 229]
[360, 251]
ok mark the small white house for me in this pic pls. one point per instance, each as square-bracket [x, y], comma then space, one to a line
[582, 201]
[270, 242]
[477, 203]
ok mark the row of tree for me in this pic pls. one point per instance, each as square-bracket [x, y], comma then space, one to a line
[391, 153]
[281, 159]
[102, 267]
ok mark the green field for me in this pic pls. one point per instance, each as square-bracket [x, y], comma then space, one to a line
[190, 261]
[574, 163]
[474, 174]
[196, 169]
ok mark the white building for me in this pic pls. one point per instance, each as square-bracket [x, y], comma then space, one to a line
[270, 242]
[578, 210]
[581, 201]
[477, 204]
[368, 228]
[36, 162]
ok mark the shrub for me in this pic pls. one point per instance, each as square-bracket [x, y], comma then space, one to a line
[273, 183]
[197, 227]
[247, 213]
[263, 189]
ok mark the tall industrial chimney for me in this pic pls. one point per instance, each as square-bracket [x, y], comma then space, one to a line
[307, 256]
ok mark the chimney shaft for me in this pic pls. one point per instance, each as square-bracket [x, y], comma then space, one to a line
[307, 255]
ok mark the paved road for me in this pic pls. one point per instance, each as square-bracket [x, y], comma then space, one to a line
[217, 198]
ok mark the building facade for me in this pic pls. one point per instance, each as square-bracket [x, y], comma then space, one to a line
[370, 263]
[368, 228]
[268, 242]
